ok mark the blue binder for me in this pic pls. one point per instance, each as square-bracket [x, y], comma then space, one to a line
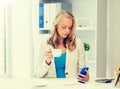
[41, 15]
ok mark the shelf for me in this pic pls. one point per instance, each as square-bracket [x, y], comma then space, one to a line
[44, 31]
[85, 29]
[84, 22]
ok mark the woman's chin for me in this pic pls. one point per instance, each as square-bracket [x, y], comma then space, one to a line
[65, 36]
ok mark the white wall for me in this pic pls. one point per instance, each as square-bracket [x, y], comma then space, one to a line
[101, 37]
[19, 40]
[2, 54]
[113, 36]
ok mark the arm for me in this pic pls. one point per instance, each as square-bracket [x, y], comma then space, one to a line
[81, 54]
[82, 61]
[41, 66]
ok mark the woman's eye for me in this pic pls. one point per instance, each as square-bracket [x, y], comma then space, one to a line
[70, 27]
[63, 27]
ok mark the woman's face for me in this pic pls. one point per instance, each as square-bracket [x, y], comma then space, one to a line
[64, 27]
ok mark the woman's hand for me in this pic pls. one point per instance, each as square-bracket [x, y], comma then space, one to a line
[83, 78]
[49, 56]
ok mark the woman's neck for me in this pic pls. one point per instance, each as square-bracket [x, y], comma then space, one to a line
[61, 45]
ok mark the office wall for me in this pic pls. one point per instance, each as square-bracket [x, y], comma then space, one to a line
[19, 38]
[101, 37]
[113, 32]
[2, 38]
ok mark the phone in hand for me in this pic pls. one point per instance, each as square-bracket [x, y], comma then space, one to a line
[83, 71]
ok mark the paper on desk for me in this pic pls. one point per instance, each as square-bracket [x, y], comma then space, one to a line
[64, 82]
[40, 83]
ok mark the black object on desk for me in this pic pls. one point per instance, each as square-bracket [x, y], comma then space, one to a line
[104, 80]
[118, 78]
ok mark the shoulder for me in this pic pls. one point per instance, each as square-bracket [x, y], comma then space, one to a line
[43, 42]
[79, 44]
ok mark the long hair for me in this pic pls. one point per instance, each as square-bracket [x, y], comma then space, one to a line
[70, 41]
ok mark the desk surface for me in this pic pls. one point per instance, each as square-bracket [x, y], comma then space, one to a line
[32, 83]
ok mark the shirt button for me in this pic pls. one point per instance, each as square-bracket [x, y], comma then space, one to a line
[66, 73]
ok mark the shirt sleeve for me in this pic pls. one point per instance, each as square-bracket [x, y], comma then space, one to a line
[81, 54]
[41, 68]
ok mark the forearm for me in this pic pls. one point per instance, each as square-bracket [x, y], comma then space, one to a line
[41, 70]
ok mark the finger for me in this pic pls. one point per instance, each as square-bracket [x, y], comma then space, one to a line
[87, 74]
[81, 75]
[48, 53]
[47, 50]
[87, 71]
[81, 79]
[50, 50]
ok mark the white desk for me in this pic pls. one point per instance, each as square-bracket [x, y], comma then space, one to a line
[32, 83]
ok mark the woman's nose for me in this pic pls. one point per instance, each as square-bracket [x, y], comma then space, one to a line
[67, 30]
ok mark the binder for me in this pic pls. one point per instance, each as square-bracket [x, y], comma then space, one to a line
[41, 15]
[47, 13]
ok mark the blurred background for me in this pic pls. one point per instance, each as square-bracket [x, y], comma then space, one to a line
[24, 23]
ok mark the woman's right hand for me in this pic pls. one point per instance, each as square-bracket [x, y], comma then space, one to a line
[49, 56]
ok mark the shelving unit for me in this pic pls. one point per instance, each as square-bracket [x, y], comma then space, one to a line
[85, 28]
[84, 23]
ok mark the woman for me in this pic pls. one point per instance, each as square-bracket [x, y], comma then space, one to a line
[72, 59]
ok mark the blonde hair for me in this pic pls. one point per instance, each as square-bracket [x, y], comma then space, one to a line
[70, 41]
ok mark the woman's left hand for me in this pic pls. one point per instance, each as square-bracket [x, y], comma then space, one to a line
[84, 78]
